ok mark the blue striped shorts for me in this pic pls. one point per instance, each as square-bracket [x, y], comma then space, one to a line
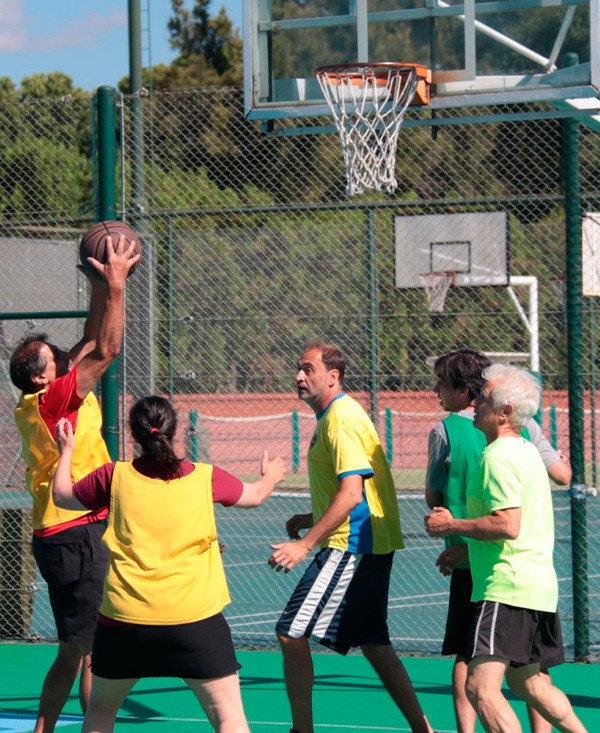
[341, 601]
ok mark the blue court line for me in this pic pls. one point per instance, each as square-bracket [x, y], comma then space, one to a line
[22, 723]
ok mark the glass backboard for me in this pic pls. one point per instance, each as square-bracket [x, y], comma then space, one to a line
[480, 53]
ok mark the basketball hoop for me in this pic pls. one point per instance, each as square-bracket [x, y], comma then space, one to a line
[436, 286]
[368, 102]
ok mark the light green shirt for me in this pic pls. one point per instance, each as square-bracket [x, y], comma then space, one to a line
[517, 572]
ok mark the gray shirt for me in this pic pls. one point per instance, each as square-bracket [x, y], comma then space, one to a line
[438, 460]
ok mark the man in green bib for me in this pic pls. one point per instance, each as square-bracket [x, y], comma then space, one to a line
[510, 531]
[454, 452]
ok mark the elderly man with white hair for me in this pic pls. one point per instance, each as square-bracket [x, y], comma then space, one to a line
[510, 533]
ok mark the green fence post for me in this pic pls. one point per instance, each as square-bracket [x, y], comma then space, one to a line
[295, 441]
[578, 491]
[373, 385]
[539, 414]
[192, 437]
[107, 196]
[593, 432]
[389, 437]
[553, 427]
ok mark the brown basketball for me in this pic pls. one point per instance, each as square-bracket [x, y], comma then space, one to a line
[93, 242]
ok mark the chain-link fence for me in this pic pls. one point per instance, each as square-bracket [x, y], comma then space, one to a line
[250, 249]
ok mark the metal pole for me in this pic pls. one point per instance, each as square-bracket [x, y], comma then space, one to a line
[553, 427]
[389, 436]
[592, 312]
[573, 217]
[372, 317]
[295, 441]
[107, 170]
[141, 328]
[192, 436]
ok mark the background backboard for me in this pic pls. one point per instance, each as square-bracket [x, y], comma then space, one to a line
[473, 246]
[480, 53]
[590, 245]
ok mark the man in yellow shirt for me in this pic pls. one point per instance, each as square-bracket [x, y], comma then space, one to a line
[341, 600]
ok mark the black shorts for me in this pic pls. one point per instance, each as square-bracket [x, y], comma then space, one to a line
[341, 600]
[199, 650]
[73, 564]
[461, 611]
[520, 635]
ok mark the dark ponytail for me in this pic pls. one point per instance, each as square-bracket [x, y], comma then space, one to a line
[153, 423]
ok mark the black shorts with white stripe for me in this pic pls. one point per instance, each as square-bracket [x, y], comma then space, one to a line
[341, 601]
[519, 635]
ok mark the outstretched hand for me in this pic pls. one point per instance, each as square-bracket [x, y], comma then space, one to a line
[65, 439]
[274, 469]
[119, 261]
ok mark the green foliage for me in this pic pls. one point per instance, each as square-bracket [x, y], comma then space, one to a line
[45, 139]
[210, 50]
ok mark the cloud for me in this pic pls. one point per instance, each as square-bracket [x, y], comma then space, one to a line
[88, 31]
[84, 32]
[13, 33]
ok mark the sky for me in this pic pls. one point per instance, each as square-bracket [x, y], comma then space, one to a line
[85, 39]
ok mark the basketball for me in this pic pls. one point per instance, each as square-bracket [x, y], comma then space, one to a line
[93, 243]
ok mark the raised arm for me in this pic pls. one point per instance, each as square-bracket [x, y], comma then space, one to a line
[62, 487]
[92, 322]
[94, 360]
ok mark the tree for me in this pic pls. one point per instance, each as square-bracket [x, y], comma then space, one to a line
[214, 40]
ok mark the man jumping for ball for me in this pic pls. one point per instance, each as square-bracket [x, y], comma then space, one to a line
[66, 544]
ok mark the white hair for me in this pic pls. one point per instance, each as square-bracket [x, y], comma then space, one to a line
[513, 386]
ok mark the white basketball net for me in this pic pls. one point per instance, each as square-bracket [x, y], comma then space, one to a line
[368, 105]
[436, 286]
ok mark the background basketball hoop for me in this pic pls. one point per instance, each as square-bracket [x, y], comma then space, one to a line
[368, 102]
[436, 285]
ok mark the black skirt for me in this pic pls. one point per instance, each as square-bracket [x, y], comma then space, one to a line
[198, 650]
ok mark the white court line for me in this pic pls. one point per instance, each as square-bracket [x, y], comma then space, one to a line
[16, 724]
[285, 724]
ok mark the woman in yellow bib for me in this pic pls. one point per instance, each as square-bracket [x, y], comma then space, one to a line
[165, 588]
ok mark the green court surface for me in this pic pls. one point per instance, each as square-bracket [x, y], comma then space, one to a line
[348, 695]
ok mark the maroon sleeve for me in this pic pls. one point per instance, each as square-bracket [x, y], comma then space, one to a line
[226, 488]
[93, 490]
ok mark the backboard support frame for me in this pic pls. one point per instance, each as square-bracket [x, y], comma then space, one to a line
[270, 98]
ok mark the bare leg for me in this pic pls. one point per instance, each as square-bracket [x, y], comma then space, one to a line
[221, 700]
[299, 675]
[106, 699]
[484, 690]
[466, 717]
[537, 690]
[537, 723]
[396, 681]
[57, 686]
[85, 680]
